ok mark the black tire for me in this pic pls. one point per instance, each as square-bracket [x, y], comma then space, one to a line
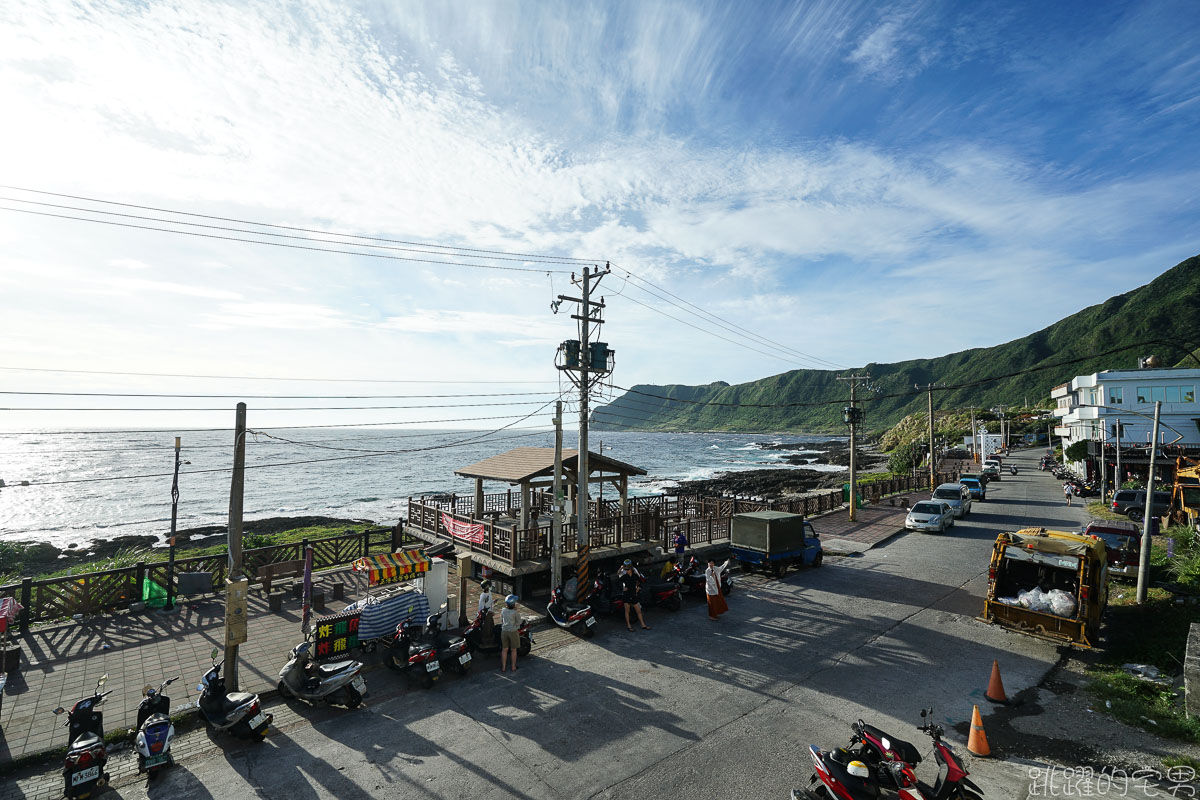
[1136, 514]
[284, 691]
[588, 631]
[463, 669]
[426, 681]
[393, 662]
[817, 561]
[353, 698]
[673, 603]
[524, 647]
[779, 569]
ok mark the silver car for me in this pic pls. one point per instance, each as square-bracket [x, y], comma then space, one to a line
[930, 515]
[957, 495]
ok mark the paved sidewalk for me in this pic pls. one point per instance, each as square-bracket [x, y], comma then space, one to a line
[876, 523]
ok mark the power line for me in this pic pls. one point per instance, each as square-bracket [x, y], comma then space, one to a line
[260, 378]
[530, 259]
[276, 396]
[294, 228]
[173, 431]
[280, 244]
[281, 408]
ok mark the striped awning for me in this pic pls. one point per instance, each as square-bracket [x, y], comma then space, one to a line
[404, 565]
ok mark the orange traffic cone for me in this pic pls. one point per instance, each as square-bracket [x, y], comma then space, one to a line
[977, 742]
[995, 690]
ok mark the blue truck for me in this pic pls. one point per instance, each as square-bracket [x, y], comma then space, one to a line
[774, 540]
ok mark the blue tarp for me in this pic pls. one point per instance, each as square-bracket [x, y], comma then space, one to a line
[380, 615]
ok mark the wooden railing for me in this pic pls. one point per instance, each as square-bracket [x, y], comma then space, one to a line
[95, 592]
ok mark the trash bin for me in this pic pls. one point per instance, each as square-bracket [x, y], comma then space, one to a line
[153, 595]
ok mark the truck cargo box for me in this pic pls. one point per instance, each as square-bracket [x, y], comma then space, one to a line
[768, 532]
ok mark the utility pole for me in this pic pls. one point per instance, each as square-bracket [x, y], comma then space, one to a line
[556, 521]
[974, 438]
[235, 600]
[932, 465]
[585, 362]
[174, 517]
[1103, 463]
[1117, 475]
[852, 417]
[1144, 563]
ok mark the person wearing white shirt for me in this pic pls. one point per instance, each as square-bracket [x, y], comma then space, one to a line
[486, 603]
[712, 589]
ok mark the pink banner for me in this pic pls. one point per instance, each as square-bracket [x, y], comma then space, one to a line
[471, 531]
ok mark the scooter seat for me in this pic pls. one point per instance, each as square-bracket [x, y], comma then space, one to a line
[85, 741]
[900, 747]
[859, 788]
[235, 699]
[335, 667]
[155, 720]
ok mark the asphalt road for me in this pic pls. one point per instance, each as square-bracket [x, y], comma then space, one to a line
[707, 710]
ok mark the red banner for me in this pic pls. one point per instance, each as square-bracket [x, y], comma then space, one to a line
[471, 531]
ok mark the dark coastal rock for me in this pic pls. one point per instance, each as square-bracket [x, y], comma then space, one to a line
[754, 483]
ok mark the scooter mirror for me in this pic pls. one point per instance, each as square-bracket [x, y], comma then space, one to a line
[213, 654]
[922, 713]
[59, 710]
[146, 690]
[103, 680]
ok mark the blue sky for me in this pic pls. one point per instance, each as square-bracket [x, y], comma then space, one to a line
[859, 181]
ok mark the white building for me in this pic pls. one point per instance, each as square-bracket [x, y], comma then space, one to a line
[1090, 406]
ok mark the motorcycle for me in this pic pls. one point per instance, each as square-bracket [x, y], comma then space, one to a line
[473, 633]
[605, 600]
[239, 713]
[692, 578]
[841, 775]
[1012, 470]
[155, 731]
[452, 651]
[83, 766]
[878, 751]
[338, 684]
[574, 617]
[418, 659]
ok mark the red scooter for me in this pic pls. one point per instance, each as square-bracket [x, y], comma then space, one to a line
[841, 775]
[878, 750]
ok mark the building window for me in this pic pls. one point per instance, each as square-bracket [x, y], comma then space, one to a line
[1151, 394]
[1187, 394]
[1118, 430]
[1114, 396]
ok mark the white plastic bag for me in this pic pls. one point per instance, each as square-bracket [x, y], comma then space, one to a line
[1034, 599]
[1062, 604]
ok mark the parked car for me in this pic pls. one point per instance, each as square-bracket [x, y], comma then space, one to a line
[979, 476]
[1123, 541]
[930, 515]
[957, 495]
[991, 472]
[975, 486]
[1132, 503]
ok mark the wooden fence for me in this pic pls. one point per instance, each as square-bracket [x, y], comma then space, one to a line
[108, 590]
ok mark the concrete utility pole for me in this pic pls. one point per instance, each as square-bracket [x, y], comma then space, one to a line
[974, 438]
[852, 418]
[1144, 563]
[235, 612]
[1103, 465]
[932, 465]
[174, 518]
[1117, 476]
[588, 369]
[556, 521]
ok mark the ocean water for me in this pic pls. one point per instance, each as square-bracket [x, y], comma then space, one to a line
[88, 486]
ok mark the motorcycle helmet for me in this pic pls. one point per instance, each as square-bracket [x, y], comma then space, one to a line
[511, 601]
[629, 562]
[858, 769]
[486, 586]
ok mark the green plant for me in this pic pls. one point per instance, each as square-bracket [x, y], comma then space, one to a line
[253, 540]
[1139, 703]
[1077, 451]
[1182, 761]
[905, 457]
[1133, 485]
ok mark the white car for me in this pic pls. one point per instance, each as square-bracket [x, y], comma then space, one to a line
[930, 515]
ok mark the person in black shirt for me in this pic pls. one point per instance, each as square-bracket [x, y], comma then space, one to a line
[630, 581]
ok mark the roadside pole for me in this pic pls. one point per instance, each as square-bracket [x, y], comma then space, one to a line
[174, 517]
[1117, 474]
[929, 387]
[1144, 563]
[1103, 464]
[235, 595]
[851, 418]
[556, 520]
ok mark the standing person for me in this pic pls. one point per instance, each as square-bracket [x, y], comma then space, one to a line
[510, 638]
[681, 543]
[631, 581]
[712, 589]
[486, 604]
[1068, 490]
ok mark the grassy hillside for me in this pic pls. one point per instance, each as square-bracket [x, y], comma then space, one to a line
[1166, 310]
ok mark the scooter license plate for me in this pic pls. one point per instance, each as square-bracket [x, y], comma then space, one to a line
[85, 775]
[465, 658]
[154, 761]
[432, 666]
[258, 719]
[359, 685]
[590, 621]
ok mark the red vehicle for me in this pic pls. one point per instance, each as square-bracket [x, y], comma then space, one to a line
[1122, 540]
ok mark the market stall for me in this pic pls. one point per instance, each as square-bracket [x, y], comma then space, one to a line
[401, 586]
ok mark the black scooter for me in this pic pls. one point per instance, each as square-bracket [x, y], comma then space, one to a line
[416, 658]
[83, 766]
[239, 713]
[155, 731]
[574, 617]
[692, 579]
[452, 651]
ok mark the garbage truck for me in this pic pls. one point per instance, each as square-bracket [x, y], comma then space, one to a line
[1051, 584]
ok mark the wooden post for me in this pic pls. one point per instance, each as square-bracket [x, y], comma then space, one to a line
[27, 604]
[524, 505]
[464, 569]
[478, 499]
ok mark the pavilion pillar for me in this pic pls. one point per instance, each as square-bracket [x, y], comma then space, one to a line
[478, 499]
[524, 505]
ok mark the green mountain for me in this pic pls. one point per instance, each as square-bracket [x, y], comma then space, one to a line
[1160, 318]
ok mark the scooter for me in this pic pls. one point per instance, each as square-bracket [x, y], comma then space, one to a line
[452, 651]
[692, 578]
[83, 766]
[239, 713]
[574, 617]
[155, 731]
[418, 659]
[877, 749]
[1013, 469]
[841, 775]
[338, 684]
[473, 633]
[605, 600]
